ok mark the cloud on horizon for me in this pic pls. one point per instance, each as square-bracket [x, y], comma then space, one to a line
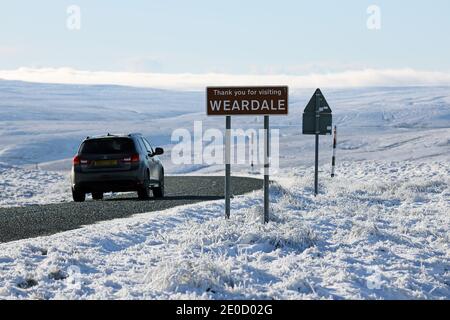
[187, 81]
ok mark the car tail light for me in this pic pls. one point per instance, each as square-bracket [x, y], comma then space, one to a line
[135, 158]
[77, 161]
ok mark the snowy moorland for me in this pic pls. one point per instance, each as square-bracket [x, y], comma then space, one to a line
[43, 124]
[362, 238]
[379, 230]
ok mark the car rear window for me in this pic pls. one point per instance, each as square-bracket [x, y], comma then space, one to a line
[108, 146]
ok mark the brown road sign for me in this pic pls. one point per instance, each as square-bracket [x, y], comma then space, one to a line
[230, 101]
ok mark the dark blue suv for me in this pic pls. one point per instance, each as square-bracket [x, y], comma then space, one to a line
[117, 163]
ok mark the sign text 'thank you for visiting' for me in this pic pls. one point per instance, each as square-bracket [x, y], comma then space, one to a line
[247, 101]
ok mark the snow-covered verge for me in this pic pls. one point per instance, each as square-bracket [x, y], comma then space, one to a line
[363, 237]
[25, 186]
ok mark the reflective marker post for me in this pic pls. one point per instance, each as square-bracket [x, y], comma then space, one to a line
[333, 158]
[227, 166]
[266, 169]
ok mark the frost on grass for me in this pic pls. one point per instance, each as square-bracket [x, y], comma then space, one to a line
[202, 273]
[379, 230]
[215, 256]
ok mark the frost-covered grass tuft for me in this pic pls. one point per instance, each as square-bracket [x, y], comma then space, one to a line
[203, 273]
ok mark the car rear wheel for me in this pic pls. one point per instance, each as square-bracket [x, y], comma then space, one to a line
[144, 191]
[159, 191]
[97, 195]
[78, 196]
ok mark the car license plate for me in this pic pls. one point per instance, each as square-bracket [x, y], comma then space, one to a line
[105, 163]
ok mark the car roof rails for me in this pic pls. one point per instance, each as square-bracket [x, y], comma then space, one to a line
[135, 134]
[115, 135]
[108, 135]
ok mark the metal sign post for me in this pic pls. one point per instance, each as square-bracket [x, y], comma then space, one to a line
[317, 120]
[266, 169]
[317, 129]
[252, 141]
[227, 166]
[247, 101]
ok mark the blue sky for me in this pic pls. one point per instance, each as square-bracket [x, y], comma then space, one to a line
[235, 37]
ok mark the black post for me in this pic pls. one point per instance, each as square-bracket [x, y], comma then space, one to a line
[227, 166]
[316, 172]
[333, 158]
[266, 169]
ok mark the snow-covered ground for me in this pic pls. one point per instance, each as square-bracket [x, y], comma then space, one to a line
[380, 229]
[362, 238]
[26, 186]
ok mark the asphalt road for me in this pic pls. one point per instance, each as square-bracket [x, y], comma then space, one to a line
[37, 220]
